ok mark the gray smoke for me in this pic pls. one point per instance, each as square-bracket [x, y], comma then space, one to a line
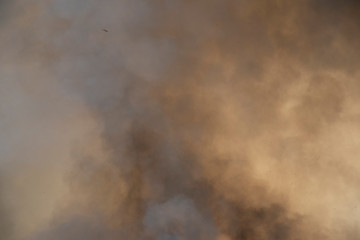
[176, 120]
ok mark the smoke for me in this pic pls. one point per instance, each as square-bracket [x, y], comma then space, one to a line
[177, 219]
[220, 120]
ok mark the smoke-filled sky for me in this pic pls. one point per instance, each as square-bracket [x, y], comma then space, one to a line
[180, 120]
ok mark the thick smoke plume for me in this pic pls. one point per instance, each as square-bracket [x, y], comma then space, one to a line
[179, 120]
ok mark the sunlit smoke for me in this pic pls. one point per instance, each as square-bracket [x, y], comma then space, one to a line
[179, 120]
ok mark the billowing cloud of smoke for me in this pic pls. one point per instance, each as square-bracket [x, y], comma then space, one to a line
[177, 120]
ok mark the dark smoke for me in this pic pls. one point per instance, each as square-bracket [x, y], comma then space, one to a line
[185, 120]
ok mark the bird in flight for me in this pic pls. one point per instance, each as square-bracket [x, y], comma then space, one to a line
[105, 30]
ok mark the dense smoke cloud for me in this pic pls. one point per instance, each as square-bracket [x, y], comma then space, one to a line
[174, 120]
